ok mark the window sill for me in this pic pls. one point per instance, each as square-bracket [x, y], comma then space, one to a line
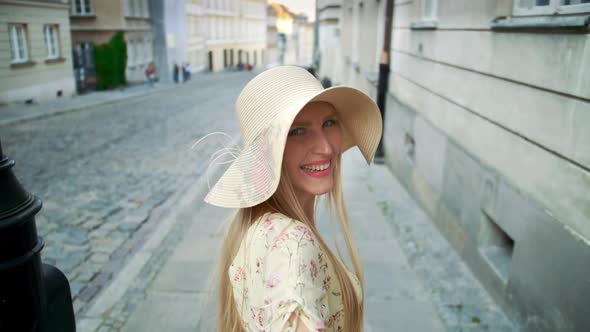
[19, 65]
[135, 17]
[578, 23]
[424, 25]
[55, 60]
[83, 16]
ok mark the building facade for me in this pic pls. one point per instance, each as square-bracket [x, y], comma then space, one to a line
[210, 35]
[272, 37]
[36, 61]
[95, 22]
[236, 33]
[290, 37]
[487, 124]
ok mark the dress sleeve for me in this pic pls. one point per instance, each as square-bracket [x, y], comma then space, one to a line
[294, 275]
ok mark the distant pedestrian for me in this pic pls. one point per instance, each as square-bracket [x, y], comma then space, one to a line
[186, 72]
[175, 73]
[150, 74]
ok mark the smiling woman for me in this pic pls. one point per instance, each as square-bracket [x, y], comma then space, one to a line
[313, 145]
[276, 271]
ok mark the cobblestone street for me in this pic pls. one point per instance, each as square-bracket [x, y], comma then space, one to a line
[101, 171]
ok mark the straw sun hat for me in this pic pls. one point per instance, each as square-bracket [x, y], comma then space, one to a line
[266, 108]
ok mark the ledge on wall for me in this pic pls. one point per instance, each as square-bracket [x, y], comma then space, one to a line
[55, 60]
[424, 25]
[19, 65]
[575, 23]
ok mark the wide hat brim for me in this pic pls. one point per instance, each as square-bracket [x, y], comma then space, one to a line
[254, 175]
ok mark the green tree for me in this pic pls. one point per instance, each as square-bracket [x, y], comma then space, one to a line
[110, 60]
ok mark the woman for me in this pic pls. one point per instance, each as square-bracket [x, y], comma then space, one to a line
[276, 271]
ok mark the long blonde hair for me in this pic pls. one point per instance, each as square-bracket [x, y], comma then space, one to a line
[285, 201]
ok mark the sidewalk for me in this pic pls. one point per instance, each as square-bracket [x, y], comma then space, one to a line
[20, 112]
[408, 286]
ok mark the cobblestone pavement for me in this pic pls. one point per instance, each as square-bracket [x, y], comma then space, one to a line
[101, 171]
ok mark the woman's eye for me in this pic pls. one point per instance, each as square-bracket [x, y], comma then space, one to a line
[329, 123]
[296, 131]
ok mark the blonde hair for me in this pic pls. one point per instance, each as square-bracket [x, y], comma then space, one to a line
[285, 201]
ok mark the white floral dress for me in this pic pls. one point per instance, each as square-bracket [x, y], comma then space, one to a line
[279, 270]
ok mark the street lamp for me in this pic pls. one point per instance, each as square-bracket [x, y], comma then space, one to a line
[33, 296]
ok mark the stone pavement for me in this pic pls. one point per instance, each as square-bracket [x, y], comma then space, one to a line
[107, 172]
[413, 279]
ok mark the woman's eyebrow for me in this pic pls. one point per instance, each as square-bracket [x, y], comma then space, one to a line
[332, 114]
[307, 123]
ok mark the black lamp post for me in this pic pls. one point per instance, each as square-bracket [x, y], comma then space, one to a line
[33, 296]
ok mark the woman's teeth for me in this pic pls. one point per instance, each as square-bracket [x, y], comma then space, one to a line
[316, 168]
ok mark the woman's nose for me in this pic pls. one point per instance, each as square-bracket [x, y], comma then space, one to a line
[321, 143]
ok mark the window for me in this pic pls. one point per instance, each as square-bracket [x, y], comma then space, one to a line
[146, 9]
[128, 7]
[81, 7]
[428, 17]
[131, 53]
[50, 32]
[18, 43]
[550, 7]
[429, 10]
[138, 8]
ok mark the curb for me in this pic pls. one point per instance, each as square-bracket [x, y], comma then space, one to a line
[90, 318]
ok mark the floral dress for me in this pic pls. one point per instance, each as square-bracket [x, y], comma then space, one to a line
[281, 270]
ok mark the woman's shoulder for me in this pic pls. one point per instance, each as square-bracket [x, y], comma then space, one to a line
[276, 230]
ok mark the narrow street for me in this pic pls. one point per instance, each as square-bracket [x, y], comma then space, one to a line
[101, 171]
[123, 218]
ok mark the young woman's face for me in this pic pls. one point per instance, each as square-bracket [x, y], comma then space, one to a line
[313, 146]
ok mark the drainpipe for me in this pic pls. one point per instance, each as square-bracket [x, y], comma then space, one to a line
[384, 68]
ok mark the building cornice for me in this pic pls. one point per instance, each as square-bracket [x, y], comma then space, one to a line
[35, 4]
[216, 12]
[86, 29]
[255, 17]
[234, 41]
[329, 7]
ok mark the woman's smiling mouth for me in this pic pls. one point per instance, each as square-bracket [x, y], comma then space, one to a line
[318, 168]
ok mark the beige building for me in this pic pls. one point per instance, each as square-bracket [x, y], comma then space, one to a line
[209, 35]
[303, 35]
[196, 21]
[290, 37]
[94, 22]
[487, 124]
[235, 33]
[35, 51]
[272, 37]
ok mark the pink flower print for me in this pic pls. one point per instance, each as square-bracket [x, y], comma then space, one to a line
[267, 222]
[306, 233]
[313, 270]
[240, 274]
[281, 238]
[260, 318]
[320, 326]
[327, 282]
[273, 279]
